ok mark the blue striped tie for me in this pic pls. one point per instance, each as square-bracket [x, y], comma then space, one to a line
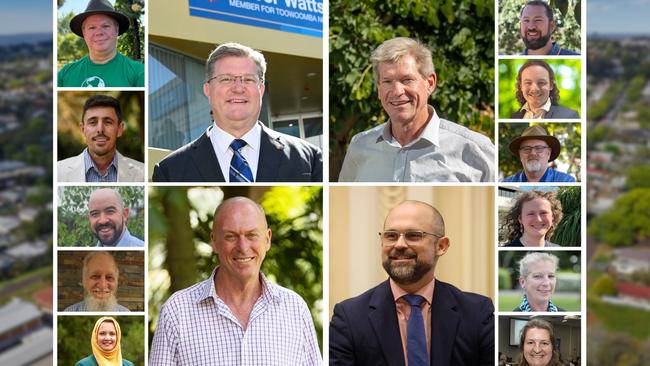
[240, 171]
[416, 340]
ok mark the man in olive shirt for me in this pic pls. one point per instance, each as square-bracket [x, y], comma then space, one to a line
[99, 26]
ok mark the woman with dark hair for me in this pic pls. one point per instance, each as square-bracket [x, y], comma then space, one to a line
[533, 218]
[105, 342]
[537, 345]
[538, 94]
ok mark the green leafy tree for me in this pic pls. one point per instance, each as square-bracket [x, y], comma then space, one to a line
[568, 229]
[627, 222]
[460, 37]
[604, 286]
[638, 177]
[567, 18]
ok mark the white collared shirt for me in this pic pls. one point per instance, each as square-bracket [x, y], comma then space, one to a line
[444, 152]
[541, 112]
[221, 141]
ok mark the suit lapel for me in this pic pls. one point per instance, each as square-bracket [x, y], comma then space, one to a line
[205, 160]
[77, 170]
[550, 113]
[271, 150]
[444, 324]
[383, 318]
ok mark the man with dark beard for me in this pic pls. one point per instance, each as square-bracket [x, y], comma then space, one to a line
[100, 280]
[536, 24]
[413, 318]
[108, 217]
[536, 149]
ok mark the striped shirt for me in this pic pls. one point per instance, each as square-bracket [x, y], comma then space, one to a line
[92, 173]
[196, 327]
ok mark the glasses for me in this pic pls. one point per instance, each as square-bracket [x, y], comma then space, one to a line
[390, 237]
[528, 149]
[227, 79]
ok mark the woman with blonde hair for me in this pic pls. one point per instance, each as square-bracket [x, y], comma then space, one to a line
[105, 342]
[537, 278]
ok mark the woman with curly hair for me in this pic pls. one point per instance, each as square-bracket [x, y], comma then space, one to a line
[531, 221]
[537, 345]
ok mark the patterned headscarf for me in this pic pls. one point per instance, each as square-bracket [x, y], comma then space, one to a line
[107, 358]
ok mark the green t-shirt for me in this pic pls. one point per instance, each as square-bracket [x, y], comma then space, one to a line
[120, 71]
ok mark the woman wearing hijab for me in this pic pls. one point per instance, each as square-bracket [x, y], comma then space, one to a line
[537, 345]
[105, 342]
[537, 279]
[531, 221]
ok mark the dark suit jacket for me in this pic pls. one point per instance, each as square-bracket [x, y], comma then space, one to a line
[283, 158]
[364, 330]
[556, 112]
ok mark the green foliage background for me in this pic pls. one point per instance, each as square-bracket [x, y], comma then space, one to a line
[567, 18]
[627, 222]
[567, 79]
[71, 141]
[73, 226]
[180, 222]
[568, 134]
[460, 35]
[74, 334]
[72, 47]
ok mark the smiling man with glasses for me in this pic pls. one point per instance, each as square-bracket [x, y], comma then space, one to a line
[237, 147]
[535, 149]
[413, 318]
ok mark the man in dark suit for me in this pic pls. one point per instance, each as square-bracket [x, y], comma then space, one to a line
[413, 318]
[237, 147]
[538, 94]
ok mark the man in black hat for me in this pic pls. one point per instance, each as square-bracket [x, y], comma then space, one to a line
[535, 149]
[99, 26]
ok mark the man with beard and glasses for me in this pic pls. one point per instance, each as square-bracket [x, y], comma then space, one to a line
[101, 124]
[108, 217]
[535, 149]
[538, 94]
[99, 279]
[537, 24]
[413, 318]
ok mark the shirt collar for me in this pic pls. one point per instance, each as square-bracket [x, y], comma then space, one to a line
[269, 293]
[221, 139]
[430, 132]
[425, 291]
[89, 163]
[546, 107]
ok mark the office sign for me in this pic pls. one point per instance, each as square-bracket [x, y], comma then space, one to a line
[295, 16]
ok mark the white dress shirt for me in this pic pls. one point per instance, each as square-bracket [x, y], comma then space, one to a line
[221, 141]
[444, 152]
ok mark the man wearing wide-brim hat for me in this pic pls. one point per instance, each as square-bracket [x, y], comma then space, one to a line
[535, 149]
[100, 25]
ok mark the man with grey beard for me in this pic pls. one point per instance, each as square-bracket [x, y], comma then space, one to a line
[100, 280]
[536, 149]
[413, 318]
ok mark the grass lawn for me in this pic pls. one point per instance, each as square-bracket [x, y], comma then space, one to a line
[624, 319]
[568, 301]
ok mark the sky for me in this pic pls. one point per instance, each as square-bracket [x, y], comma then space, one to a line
[26, 16]
[618, 16]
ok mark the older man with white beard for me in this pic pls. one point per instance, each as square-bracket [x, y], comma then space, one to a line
[535, 149]
[100, 280]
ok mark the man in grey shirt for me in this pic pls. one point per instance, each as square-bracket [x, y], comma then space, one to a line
[415, 145]
[99, 275]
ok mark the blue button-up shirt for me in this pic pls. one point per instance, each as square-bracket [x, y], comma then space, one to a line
[127, 240]
[92, 172]
[551, 175]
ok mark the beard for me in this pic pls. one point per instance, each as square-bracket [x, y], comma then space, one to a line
[93, 304]
[112, 240]
[406, 274]
[533, 166]
[538, 43]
